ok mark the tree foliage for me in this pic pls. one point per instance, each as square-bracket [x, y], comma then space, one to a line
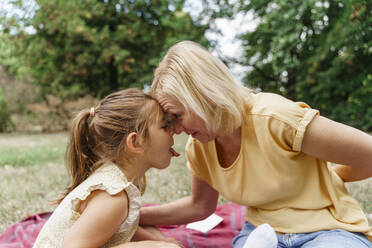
[98, 46]
[315, 51]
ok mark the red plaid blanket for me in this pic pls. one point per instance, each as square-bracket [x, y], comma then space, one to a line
[24, 233]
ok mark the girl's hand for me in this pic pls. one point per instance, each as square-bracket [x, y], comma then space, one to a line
[154, 234]
[174, 241]
[149, 244]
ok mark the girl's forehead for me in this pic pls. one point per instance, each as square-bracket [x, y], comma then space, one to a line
[160, 116]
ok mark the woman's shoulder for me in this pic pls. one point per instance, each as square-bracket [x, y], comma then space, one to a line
[264, 101]
[273, 105]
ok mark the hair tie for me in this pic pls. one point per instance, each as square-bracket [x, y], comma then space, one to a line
[91, 112]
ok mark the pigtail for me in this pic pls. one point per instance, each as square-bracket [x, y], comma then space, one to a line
[80, 157]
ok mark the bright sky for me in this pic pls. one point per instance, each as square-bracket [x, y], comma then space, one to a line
[228, 44]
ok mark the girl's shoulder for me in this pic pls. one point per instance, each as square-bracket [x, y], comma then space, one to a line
[111, 179]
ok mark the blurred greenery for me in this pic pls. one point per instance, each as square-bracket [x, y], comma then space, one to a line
[33, 156]
[96, 46]
[5, 122]
[314, 51]
[32, 149]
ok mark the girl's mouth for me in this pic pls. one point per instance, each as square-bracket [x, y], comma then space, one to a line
[173, 152]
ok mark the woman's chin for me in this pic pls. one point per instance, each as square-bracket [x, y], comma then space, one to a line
[202, 139]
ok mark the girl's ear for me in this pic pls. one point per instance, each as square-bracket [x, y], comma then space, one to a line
[133, 143]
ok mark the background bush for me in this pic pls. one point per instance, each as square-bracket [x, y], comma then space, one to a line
[97, 46]
[5, 122]
[314, 51]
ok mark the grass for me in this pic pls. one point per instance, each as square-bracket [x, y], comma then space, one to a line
[22, 150]
[32, 172]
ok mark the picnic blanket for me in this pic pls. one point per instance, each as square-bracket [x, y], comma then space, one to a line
[24, 233]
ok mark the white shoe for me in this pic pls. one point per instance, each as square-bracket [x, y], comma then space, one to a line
[262, 236]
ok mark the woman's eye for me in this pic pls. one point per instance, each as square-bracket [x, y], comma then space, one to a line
[168, 122]
[175, 116]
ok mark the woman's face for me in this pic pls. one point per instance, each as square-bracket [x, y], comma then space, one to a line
[185, 121]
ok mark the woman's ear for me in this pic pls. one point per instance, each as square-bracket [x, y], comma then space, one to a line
[133, 143]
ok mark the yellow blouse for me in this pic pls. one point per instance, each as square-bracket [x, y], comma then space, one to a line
[279, 185]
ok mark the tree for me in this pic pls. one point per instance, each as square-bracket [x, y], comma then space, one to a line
[99, 46]
[314, 51]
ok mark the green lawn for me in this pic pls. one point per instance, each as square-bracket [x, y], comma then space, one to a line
[32, 172]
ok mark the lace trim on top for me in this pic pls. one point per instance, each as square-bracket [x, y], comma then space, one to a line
[112, 180]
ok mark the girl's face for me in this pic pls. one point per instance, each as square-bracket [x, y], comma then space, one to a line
[185, 121]
[160, 151]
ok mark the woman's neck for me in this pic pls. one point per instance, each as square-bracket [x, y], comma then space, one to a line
[231, 138]
[228, 148]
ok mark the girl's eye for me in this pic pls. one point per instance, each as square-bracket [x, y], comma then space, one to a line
[175, 116]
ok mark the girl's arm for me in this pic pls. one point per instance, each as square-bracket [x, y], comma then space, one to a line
[152, 233]
[100, 219]
[148, 244]
[198, 206]
[344, 145]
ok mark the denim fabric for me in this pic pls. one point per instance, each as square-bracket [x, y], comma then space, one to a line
[331, 239]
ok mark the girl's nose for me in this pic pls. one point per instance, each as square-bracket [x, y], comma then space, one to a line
[171, 131]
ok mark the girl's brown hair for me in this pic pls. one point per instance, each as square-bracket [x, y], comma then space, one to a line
[101, 138]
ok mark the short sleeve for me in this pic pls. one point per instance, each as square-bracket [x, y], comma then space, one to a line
[307, 116]
[283, 120]
[190, 155]
[195, 160]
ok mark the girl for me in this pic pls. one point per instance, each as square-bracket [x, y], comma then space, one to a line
[110, 149]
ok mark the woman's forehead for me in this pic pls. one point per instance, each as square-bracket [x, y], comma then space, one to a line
[169, 103]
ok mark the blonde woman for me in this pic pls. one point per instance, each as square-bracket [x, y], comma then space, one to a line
[262, 151]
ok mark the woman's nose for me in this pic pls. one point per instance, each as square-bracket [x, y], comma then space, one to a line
[177, 127]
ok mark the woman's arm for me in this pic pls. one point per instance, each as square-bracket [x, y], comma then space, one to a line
[344, 145]
[100, 219]
[198, 206]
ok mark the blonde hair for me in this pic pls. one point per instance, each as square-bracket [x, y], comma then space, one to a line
[102, 138]
[203, 84]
